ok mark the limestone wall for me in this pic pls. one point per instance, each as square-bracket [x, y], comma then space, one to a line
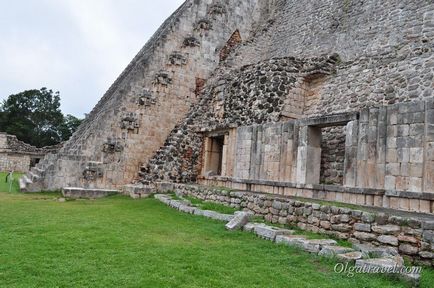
[387, 148]
[134, 117]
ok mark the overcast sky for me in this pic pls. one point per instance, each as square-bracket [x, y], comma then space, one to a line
[77, 47]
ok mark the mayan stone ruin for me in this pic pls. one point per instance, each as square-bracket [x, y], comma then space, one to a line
[330, 100]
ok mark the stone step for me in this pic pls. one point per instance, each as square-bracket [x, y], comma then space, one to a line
[137, 191]
[87, 193]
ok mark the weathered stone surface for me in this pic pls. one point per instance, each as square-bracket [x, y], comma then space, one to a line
[408, 249]
[409, 239]
[250, 227]
[73, 192]
[217, 216]
[292, 240]
[342, 227]
[350, 256]
[365, 236]
[270, 232]
[372, 251]
[387, 239]
[314, 246]
[330, 251]
[238, 221]
[380, 263]
[386, 229]
[362, 227]
[426, 254]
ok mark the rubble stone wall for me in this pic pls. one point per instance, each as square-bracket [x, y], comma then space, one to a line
[412, 237]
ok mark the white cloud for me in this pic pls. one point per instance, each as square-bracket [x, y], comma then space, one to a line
[78, 47]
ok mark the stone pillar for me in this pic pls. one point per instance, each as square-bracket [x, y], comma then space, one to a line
[362, 150]
[350, 162]
[309, 155]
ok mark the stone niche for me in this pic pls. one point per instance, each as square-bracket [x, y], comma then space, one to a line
[92, 171]
[191, 41]
[112, 146]
[177, 59]
[146, 98]
[130, 121]
[163, 78]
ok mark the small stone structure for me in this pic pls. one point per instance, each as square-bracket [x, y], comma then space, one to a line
[19, 156]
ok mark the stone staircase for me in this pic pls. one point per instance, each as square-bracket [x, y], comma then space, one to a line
[32, 181]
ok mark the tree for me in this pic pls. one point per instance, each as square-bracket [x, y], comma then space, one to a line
[68, 127]
[34, 116]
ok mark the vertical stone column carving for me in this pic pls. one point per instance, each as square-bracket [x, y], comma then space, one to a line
[429, 147]
[309, 155]
[350, 162]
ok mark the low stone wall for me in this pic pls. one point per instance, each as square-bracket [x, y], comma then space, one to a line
[409, 236]
[421, 202]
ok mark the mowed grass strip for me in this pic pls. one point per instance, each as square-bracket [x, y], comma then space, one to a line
[120, 242]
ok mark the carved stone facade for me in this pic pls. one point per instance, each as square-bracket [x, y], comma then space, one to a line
[330, 98]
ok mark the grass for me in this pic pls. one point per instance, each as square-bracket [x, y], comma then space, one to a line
[206, 205]
[5, 186]
[120, 242]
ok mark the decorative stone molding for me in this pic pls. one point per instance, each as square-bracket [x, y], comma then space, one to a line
[112, 146]
[163, 78]
[93, 171]
[130, 121]
[217, 9]
[177, 59]
[191, 41]
[146, 99]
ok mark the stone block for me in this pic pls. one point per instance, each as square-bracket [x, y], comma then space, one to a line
[388, 239]
[408, 249]
[369, 250]
[250, 227]
[416, 155]
[314, 246]
[363, 227]
[270, 232]
[291, 240]
[365, 236]
[349, 257]
[238, 221]
[386, 229]
[380, 263]
[331, 251]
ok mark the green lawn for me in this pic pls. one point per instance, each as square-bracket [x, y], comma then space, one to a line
[5, 186]
[120, 242]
